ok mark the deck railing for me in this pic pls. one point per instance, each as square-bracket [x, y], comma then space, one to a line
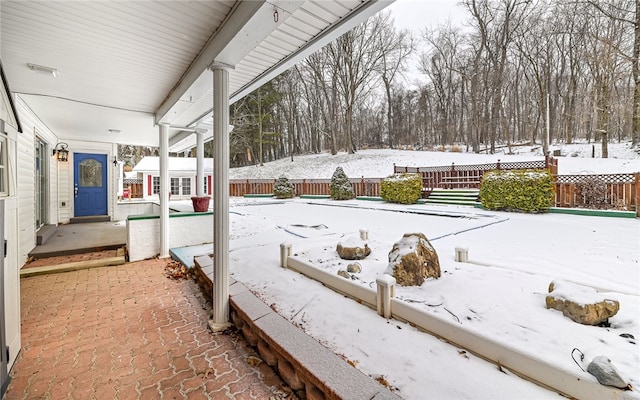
[469, 176]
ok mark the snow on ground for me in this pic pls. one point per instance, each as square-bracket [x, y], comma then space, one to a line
[379, 163]
[500, 293]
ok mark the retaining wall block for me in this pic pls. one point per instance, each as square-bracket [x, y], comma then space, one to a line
[267, 355]
[289, 375]
[313, 393]
[249, 335]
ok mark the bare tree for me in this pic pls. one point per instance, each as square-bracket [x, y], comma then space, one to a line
[397, 46]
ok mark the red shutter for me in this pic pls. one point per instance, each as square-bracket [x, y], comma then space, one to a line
[209, 188]
[149, 185]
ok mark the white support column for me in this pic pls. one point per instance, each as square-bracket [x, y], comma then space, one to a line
[200, 164]
[220, 197]
[164, 191]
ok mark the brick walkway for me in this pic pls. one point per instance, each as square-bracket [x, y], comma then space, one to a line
[129, 332]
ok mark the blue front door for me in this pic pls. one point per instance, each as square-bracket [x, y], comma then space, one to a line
[90, 184]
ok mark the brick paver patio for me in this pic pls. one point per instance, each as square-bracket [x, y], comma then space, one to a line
[129, 332]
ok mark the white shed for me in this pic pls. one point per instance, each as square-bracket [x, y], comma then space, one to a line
[182, 177]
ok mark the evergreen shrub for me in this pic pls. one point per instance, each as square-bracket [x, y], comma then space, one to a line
[401, 188]
[341, 188]
[283, 189]
[517, 190]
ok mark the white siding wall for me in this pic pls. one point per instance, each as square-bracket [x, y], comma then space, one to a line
[12, 234]
[32, 127]
[26, 201]
[11, 264]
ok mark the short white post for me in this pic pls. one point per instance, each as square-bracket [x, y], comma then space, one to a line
[386, 290]
[462, 254]
[285, 252]
[364, 234]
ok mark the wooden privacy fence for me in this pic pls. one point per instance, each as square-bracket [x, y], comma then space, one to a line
[622, 191]
[318, 187]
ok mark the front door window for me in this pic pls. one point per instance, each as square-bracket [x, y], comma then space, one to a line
[90, 173]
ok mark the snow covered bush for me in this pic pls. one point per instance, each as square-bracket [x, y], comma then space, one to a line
[593, 191]
[401, 188]
[283, 189]
[341, 188]
[521, 190]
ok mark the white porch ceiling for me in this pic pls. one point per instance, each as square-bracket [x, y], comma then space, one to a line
[128, 65]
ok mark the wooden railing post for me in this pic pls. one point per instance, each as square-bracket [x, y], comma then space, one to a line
[637, 192]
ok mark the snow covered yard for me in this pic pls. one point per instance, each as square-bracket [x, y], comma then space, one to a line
[500, 293]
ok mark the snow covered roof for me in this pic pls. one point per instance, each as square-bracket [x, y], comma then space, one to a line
[176, 164]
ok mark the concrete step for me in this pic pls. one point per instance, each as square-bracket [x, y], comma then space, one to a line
[91, 218]
[119, 259]
[452, 202]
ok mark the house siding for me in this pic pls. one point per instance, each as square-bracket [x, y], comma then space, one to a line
[32, 128]
[26, 201]
[12, 211]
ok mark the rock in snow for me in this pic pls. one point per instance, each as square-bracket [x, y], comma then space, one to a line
[413, 259]
[603, 369]
[580, 303]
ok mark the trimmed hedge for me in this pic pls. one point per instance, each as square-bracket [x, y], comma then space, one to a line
[517, 190]
[283, 189]
[341, 188]
[401, 188]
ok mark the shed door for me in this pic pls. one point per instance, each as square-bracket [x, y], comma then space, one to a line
[90, 184]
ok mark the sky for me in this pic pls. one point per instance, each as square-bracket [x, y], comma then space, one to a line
[416, 15]
[499, 293]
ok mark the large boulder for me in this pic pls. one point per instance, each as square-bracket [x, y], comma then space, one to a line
[412, 260]
[580, 303]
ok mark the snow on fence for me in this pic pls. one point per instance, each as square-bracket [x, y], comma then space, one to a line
[318, 187]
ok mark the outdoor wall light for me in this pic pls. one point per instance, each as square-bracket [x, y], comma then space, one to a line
[61, 152]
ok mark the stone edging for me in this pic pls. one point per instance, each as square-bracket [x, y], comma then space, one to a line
[302, 362]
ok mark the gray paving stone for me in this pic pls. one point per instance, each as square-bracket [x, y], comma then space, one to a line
[336, 375]
[249, 306]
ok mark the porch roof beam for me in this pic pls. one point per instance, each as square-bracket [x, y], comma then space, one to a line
[249, 23]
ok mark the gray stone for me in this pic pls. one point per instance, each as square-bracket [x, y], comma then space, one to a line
[412, 260]
[354, 268]
[606, 373]
[344, 274]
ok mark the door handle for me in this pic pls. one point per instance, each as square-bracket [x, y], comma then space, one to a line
[75, 191]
